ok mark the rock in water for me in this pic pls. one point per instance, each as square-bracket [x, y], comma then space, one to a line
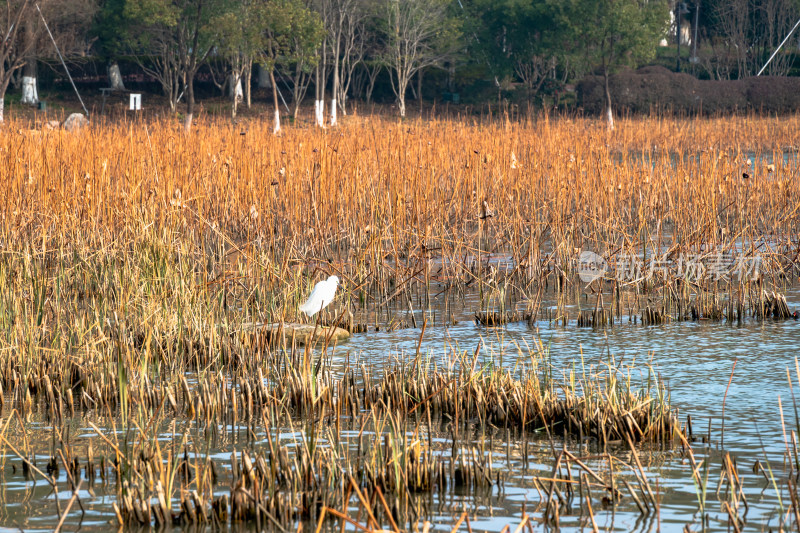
[75, 122]
[302, 333]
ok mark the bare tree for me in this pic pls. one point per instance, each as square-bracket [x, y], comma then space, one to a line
[292, 31]
[372, 58]
[355, 38]
[777, 19]
[419, 34]
[320, 80]
[533, 71]
[716, 59]
[14, 48]
[161, 62]
[324, 8]
[25, 41]
[300, 73]
[748, 31]
[30, 92]
[338, 14]
[177, 35]
[734, 22]
[241, 42]
[300, 57]
[69, 22]
[346, 31]
[364, 76]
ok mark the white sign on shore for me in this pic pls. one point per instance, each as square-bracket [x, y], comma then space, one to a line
[136, 102]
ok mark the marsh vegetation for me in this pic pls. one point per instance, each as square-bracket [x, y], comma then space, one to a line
[138, 264]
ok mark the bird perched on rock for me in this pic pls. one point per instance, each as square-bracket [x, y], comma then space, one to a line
[321, 296]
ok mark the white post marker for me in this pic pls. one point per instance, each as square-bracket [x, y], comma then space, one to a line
[29, 93]
[136, 102]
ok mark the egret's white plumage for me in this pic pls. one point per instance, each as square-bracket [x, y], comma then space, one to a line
[321, 296]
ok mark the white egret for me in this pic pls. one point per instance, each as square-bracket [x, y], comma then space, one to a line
[321, 296]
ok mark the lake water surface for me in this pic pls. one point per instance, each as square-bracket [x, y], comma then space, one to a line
[695, 360]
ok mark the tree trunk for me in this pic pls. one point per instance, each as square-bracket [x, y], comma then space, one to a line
[187, 123]
[320, 84]
[609, 112]
[30, 95]
[5, 79]
[320, 110]
[419, 89]
[235, 106]
[275, 101]
[402, 85]
[335, 79]
[115, 77]
[300, 83]
[235, 91]
[319, 104]
[172, 96]
[373, 77]
[296, 91]
[248, 80]
[263, 77]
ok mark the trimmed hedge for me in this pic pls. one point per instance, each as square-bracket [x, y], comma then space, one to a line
[657, 89]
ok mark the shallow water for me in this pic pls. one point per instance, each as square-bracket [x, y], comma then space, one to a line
[694, 358]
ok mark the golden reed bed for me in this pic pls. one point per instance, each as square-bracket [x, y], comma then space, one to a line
[374, 188]
[418, 182]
